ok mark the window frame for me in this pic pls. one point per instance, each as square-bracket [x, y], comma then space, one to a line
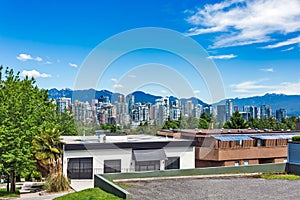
[112, 166]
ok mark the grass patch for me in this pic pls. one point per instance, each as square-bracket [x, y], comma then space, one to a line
[5, 194]
[124, 185]
[290, 177]
[89, 194]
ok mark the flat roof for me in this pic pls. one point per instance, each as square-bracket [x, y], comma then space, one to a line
[117, 138]
[124, 141]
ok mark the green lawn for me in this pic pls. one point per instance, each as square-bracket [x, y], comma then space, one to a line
[89, 194]
[281, 176]
[124, 185]
[5, 194]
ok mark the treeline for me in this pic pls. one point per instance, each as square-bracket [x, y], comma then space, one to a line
[189, 122]
[238, 122]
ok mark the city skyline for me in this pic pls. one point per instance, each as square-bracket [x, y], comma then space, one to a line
[254, 44]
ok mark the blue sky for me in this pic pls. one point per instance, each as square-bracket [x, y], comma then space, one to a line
[254, 44]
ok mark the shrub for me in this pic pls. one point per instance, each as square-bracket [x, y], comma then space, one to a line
[57, 182]
[32, 175]
[296, 138]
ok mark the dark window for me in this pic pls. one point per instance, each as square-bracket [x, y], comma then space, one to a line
[147, 165]
[112, 166]
[173, 163]
[80, 168]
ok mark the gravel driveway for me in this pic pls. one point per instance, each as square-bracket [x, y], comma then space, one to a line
[220, 188]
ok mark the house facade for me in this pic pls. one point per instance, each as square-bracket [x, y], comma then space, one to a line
[85, 156]
[236, 147]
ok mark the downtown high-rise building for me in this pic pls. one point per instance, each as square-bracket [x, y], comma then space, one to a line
[175, 110]
[162, 110]
[106, 112]
[197, 110]
[83, 112]
[229, 109]
[188, 108]
[265, 112]
[121, 106]
[64, 104]
[221, 113]
[281, 114]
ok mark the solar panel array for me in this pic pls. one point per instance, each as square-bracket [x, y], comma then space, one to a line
[253, 136]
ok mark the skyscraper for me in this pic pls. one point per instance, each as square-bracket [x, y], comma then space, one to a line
[221, 113]
[162, 110]
[265, 112]
[280, 114]
[229, 109]
[175, 110]
[188, 108]
[197, 111]
[64, 104]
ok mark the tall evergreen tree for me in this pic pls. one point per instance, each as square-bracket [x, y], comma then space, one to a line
[236, 121]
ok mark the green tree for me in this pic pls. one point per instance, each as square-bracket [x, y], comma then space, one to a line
[27, 116]
[203, 124]
[206, 117]
[66, 123]
[236, 121]
[204, 121]
[47, 148]
[23, 107]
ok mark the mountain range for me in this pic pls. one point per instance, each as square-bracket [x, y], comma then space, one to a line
[289, 102]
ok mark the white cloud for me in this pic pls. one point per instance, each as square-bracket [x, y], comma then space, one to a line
[114, 80]
[35, 74]
[249, 86]
[39, 59]
[255, 87]
[290, 88]
[117, 86]
[284, 43]
[229, 56]
[163, 91]
[267, 69]
[196, 91]
[73, 65]
[288, 49]
[25, 57]
[244, 22]
[48, 63]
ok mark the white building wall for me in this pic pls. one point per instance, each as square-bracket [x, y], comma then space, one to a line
[186, 154]
[125, 155]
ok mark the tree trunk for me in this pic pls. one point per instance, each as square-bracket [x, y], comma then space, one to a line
[12, 182]
[7, 184]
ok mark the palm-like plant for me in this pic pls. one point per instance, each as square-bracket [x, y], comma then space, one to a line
[47, 149]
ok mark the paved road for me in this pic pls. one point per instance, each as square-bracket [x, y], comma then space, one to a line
[215, 188]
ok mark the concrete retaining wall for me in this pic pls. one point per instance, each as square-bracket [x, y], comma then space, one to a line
[108, 186]
[263, 168]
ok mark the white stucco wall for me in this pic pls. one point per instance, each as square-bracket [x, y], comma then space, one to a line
[186, 154]
[98, 158]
